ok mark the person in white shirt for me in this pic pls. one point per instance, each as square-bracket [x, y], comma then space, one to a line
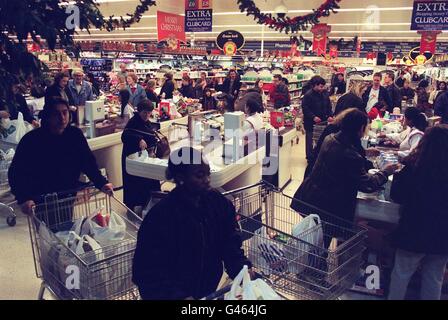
[254, 118]
[408, 140]
[127, 111]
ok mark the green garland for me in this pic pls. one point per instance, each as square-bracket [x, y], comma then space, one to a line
[286, 24]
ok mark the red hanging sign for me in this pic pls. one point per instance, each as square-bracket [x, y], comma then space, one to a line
[170, 28]
[371, 56]
[320, 32]
[429, 41]
[358, 46]
[333, 52]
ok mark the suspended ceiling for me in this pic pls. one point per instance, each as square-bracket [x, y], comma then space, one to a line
[379, 20]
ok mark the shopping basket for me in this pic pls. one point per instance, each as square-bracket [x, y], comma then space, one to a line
[296, 267]
[103, 274]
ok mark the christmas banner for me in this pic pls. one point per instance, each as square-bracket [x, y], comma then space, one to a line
[198, 15]
[170, 28]
[320, 32]
[428, 41]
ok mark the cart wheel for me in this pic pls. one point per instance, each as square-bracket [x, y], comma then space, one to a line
[11, 220]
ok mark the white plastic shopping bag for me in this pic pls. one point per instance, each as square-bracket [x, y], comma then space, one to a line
[14, 130]
[309, 243]
[243, 288]
[112, 231]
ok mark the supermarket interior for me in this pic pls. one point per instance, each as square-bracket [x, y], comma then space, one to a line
[226, 150]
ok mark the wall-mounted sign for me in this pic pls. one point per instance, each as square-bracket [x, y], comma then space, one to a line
[170, 28]
[430, 15]
[198, 15]
[230, 41]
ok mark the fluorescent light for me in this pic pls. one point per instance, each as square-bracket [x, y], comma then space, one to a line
[116, 34]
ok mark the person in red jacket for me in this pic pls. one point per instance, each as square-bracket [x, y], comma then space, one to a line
[279, 93]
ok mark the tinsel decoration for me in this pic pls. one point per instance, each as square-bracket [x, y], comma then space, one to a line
[287, 24]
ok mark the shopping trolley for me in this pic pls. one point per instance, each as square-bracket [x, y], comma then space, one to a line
[4, 188]
[295, 267]
[318, 129]
[103, 274]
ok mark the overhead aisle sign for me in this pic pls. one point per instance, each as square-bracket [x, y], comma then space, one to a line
[198, 16]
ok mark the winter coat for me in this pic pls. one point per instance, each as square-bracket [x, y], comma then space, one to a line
[441, 107]
[187, 91]
[383, 97]
[395, 97]
[182, 247]
[85, 94]
[315, 104]
[347, 101]
[138, 96]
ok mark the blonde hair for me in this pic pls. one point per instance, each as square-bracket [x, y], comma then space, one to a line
[357, 88]
[78, 71]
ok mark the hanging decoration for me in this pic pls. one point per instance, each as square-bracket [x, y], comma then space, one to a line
[320, 32]
[286, 24]
[125, 22]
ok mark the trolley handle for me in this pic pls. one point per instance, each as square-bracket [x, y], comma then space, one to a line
[262, 183]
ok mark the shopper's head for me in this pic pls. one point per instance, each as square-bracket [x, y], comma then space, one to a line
[285, 81]
[340, 77]
[208, 92]
[150, 85]
[318, 83]
[424, 84]
[203, 76]
[442, 86]
[144, 109]
[341, 115]
[377, 77]
[148, 76]
[431, 156]
[358, 89]
[233, 75]
[61, 79]
[354, 124]
[259, 84]
[186, 81]
[78, 75]
[277, 79]
[189, 170]
[415, 119]
[389, 78]
[124, 96]
[56, 115]
[253, 106]
[406, 84]
[132, 78]
[123, 67]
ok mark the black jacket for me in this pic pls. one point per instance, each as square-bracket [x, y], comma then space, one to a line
[315, 104]
[409, 93]
[56, 91]
[152, 97]
[395, 97]
[400, 82]
[338, 175]
[46, 163]
[339, 87]
[347, 101]
[384, 96]
[168, 89]
[208, 103]
[232, 91]
[187, 91]
[18, 104]
[441, 107]
[253, 94]
[181, 247]
[137, 190]
[423, 214]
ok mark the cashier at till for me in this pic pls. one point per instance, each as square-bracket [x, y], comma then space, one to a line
[254, 118]
[416, 124]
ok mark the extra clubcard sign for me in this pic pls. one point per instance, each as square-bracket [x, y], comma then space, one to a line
[170, 28]
[198, 15]
[430, 15]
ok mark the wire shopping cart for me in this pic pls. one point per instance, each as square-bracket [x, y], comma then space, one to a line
[318, 129]
[295, 266]
[103, 274]
[4, 188]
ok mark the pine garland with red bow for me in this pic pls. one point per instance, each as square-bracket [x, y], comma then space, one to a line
[287, 24]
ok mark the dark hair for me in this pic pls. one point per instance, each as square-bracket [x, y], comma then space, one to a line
[423, 84]
[440, 82]
[257, 82]
[124, 97]
[181, 161]
[59, 76]
[168, 76]
[254, 106]
[145, 105]
[391, 75]
[430, 156]
[278, 77]
[38, 92]
[353, 122]
[148, 75]
[49, 108]
[285, 81]
[417, 118]
[316, 81]
[378, 74]
[186, 78]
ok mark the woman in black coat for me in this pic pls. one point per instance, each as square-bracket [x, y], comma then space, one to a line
[340, 172]
[137, 190]
[168, 87]
[352, 99]
[188, 237]
[187, 90]
[421, 238]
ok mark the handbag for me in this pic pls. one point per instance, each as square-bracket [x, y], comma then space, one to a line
[162, 149]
